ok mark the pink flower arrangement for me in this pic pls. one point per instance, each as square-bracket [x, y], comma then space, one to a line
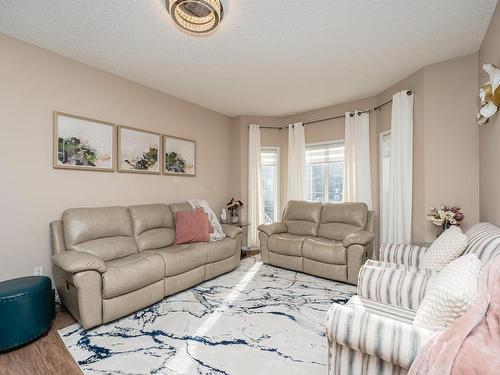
[445, 216]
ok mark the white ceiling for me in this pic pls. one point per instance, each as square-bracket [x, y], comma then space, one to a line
[269, 57]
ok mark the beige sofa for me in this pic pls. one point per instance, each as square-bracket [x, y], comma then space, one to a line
[109, 262]
[330, 240]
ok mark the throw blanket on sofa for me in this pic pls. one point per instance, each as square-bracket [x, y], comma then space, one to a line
[471, 345]
[218, 233]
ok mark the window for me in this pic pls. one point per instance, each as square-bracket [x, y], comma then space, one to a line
[325, 171]
[385, 164]
[269, 182]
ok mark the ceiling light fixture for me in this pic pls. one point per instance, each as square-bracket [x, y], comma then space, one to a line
[196, 17]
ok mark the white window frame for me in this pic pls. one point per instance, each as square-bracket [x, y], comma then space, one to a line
[276, 186]
[324, 143]
[380, 158]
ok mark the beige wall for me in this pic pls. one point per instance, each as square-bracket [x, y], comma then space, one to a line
[452, 137]
[34, 83]
[489, 135]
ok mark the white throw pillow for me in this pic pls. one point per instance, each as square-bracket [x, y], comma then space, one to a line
[450, 294]
[447, 247]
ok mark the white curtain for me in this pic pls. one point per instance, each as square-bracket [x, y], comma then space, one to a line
[296, 162]
[399, 207]
[255, 210]
[357, 170]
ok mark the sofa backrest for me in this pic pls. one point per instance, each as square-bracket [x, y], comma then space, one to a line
[105, 232]
[302, 217]
[484, 241]
[338, 220]
[184, 206]
[153, 226]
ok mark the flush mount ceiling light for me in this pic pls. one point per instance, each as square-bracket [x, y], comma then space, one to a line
[196, 17]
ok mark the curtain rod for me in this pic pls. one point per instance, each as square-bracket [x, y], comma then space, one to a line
[409, 92]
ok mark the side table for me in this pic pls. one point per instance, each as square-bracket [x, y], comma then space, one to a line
[244, 227]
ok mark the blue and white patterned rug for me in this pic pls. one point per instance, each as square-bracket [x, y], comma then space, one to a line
[257, 319]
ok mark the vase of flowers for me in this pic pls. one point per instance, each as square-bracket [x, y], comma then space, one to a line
[233, 207]
[445, 217]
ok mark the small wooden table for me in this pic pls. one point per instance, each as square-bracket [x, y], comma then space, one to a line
[244, 227]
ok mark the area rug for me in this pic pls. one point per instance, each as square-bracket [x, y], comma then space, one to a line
[257, 319]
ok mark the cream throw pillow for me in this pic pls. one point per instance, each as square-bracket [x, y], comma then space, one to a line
[447, 247]
[450, 294]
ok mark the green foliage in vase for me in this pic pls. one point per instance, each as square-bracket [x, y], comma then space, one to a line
[145, 161]
[74, 152]
[174, 163]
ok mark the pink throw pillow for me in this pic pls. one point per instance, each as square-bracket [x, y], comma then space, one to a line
[211, 228]
[191, 227]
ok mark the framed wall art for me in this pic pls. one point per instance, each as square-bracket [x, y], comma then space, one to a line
[179, 156]
[139, 150]
[83, 143]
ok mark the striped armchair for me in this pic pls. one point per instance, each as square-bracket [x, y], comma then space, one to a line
[369, 338]
[373, 333]
[398, 277]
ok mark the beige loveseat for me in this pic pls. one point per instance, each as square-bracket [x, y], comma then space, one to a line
[109, 262]
[330, 240]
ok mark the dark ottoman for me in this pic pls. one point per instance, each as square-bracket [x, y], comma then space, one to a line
[26, 310]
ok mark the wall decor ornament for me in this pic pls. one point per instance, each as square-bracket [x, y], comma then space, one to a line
[138, 150]
[233, 206]
[179, 156]
[83, 143]
[489, 94]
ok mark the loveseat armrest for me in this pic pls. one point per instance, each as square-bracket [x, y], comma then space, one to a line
[400, 253]
[230, 230]
[73, 262]
[273, 228]
[393, 286]
[361, 237]
[394, 341]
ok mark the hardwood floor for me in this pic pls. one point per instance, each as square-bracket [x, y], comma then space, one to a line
[48, 354]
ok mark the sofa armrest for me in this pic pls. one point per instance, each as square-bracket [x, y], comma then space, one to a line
[393, 286]
[358, 238]
[407, 254]
[401, 267]
[230, 230]
[389, 339]
[272, 228]
[77, 261]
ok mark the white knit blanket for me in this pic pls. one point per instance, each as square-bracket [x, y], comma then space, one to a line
[217, 234]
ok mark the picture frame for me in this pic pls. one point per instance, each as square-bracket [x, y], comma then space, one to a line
[139, 150]
[179, 156]
[82, 143]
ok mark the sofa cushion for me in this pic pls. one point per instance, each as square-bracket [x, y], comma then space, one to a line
[286, 243]
[302, 217]
[218, 250]
[131, 273]
[153, 226]
[484, 241]
[338, 220]
[324, 250]
[446, 248]
[191, 227]
[105, 232]
[182, 258]
[450, 293]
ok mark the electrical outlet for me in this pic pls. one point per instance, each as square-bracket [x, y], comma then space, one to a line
[38, 271]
